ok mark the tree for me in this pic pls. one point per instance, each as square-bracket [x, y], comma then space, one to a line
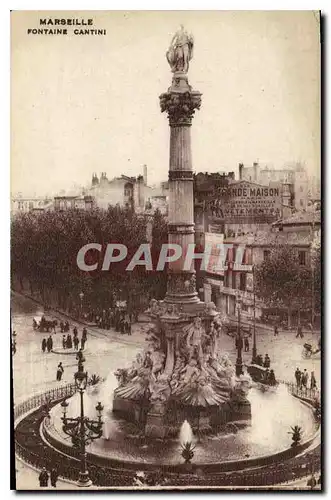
[282, 283]
[44, 250]
[158, 279]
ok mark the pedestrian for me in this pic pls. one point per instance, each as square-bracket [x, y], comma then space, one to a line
[82, 343]
[66, 327]
[64, 342]
[54, 476]
[69, 341]
[297, 375]
[49, 343]
[266, 363]
[80, 357]
[76, 343]
[43, 345]
[75, 332]
[246, 343]
[304, 379]
[43, 478]
[59, 372]
[129, 328]
[299, 332]
[276, 331]
[313, 384]
[84, 334]
[62, 326]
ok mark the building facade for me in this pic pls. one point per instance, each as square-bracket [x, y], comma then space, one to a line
[21, 204]
[223, 285]
[294, 175]
[69, 202]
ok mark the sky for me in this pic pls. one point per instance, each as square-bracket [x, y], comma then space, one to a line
[84, 104]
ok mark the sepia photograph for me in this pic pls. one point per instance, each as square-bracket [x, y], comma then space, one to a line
[165, 247]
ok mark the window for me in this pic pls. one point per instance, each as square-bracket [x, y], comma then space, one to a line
[234, 276]
[247, 256]
[242, 285]
[266, 254]
[302, 258]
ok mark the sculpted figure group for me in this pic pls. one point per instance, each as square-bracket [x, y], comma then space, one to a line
[198, 363]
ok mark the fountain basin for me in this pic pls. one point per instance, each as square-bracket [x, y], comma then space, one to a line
[266, 441]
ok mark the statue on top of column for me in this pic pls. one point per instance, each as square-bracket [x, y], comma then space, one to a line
[180, 51]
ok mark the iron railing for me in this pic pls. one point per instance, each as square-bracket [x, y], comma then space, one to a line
[39, 455]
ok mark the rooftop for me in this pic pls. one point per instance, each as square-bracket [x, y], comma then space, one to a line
[271, 239]
[312, 217]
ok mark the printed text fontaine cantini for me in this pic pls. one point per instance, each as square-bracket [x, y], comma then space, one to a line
[65, 26]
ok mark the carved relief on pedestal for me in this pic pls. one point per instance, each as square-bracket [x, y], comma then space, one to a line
[181, 283]
[180, 107]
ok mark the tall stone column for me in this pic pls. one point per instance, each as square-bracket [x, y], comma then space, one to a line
[180, 103]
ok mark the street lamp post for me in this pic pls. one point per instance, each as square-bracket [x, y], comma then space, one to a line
[254, 351]
[81, 296]
[82, 430]
[239, 361]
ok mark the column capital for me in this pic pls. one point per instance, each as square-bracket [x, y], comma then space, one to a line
[180, 106]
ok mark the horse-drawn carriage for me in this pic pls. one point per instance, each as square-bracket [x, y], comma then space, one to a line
[263, 377]
[44, 324]
[309, 350]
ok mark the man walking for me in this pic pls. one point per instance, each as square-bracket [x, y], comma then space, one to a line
[313, 383]
[59, 372]
[84, 334]
[297, 375]
[49, 344]
[304, 379]
[246, 344]
[43, 345]
[76, 343]
[276, 333]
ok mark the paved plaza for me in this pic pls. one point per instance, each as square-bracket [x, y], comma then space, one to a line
[106, 350]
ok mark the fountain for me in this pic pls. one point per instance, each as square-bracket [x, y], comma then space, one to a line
[185, 435]
[181, 375]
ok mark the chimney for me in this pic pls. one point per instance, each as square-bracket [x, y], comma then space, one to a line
[241, 167]
[145, 175]
[255, 166]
